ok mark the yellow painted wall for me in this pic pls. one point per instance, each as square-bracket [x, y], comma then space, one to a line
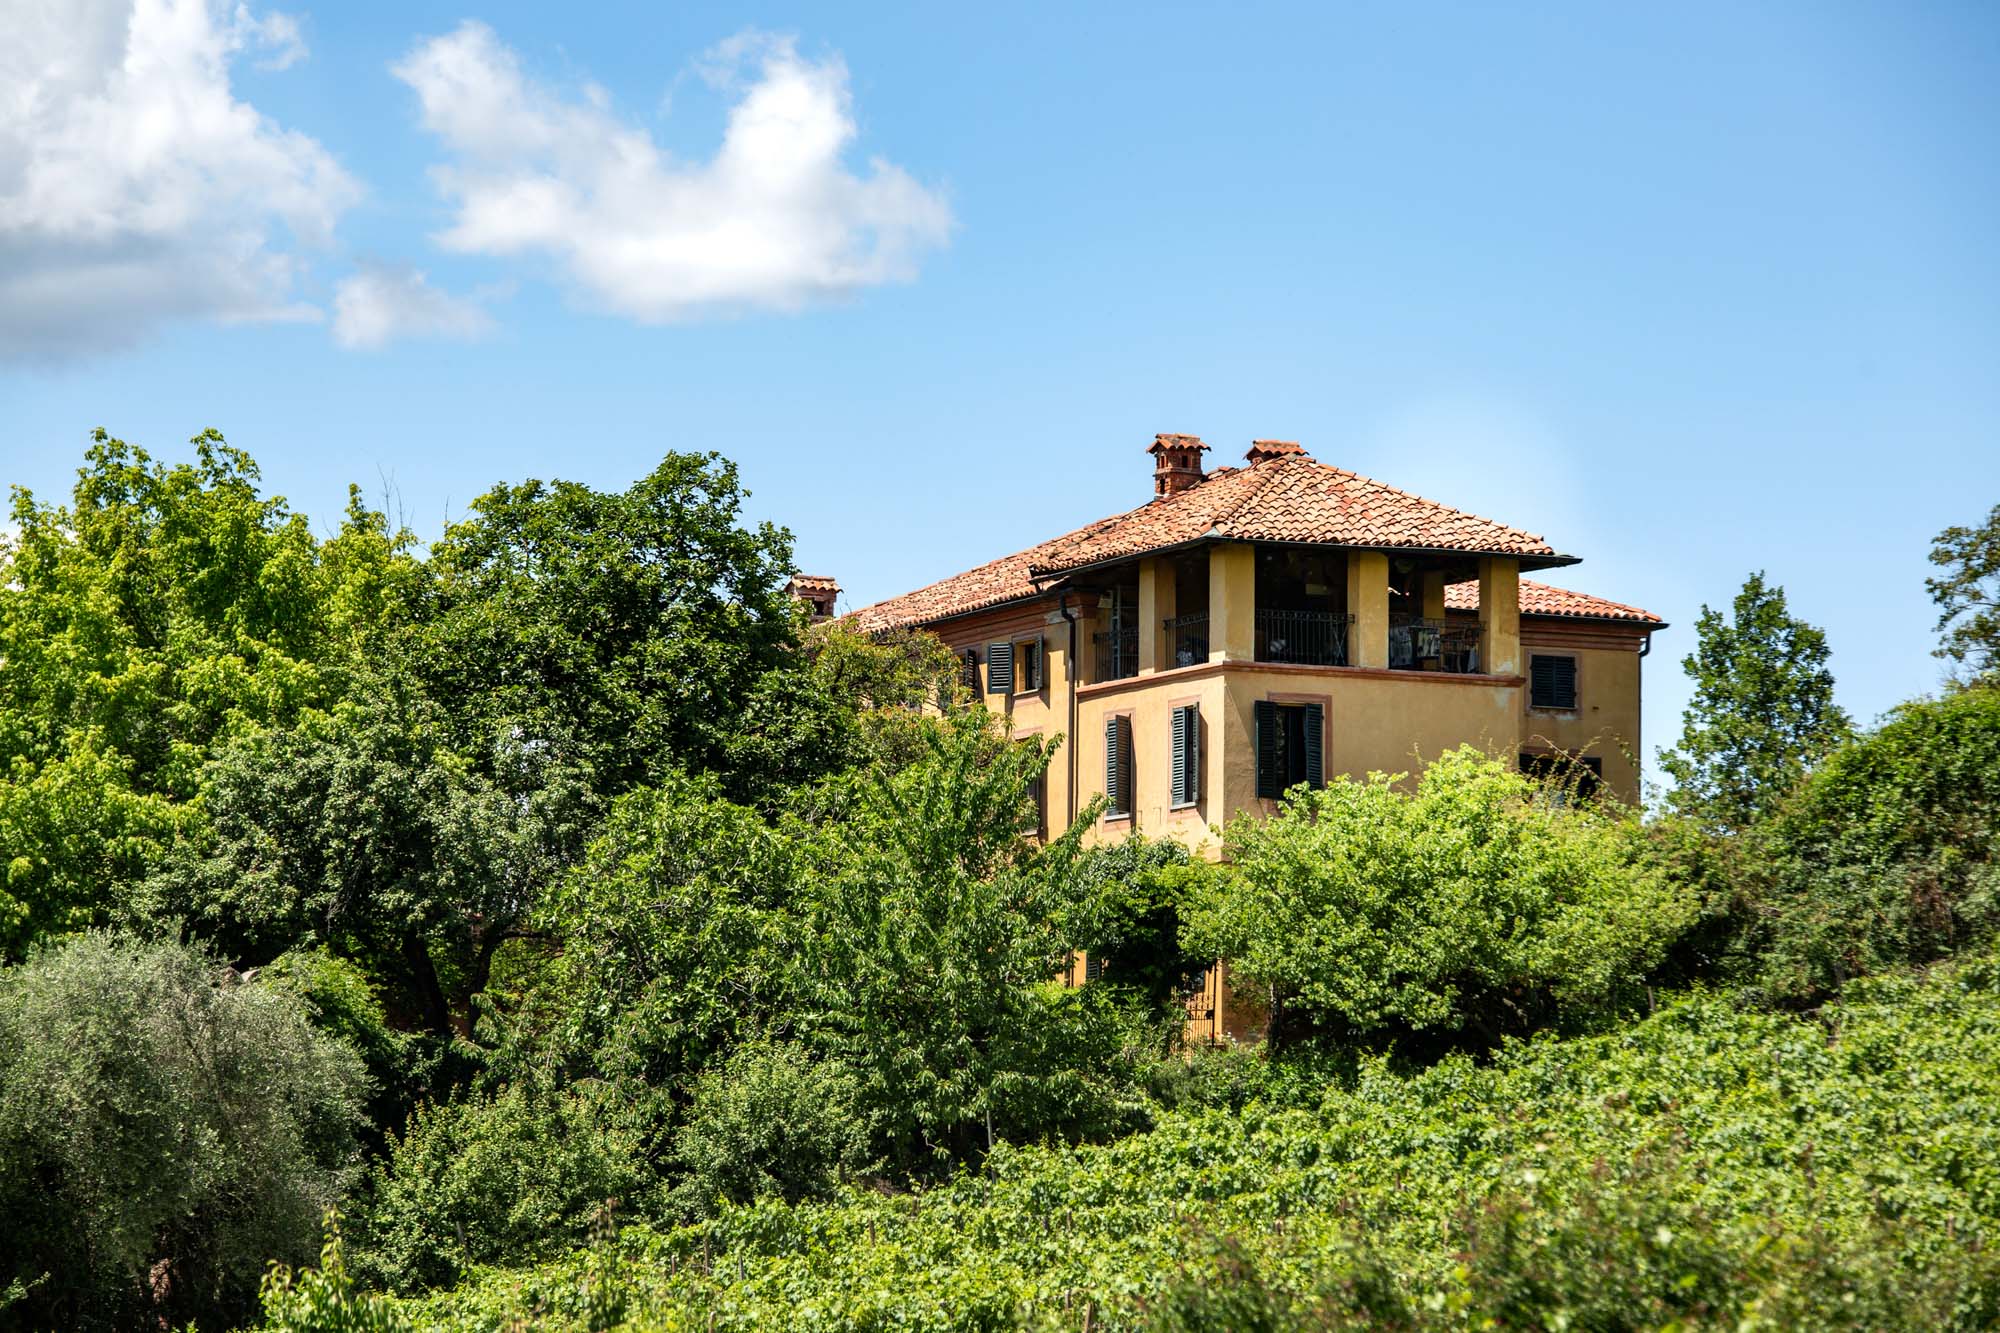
[1605, 722]
[1375, 720]
[1389, 722]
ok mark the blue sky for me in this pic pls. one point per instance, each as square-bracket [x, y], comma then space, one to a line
[1692, 289]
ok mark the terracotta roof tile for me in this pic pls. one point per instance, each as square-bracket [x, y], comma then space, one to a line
[1540, 599]
[1291, 497]
[1285, 496]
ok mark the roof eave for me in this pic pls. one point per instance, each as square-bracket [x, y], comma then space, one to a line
[1529, 563]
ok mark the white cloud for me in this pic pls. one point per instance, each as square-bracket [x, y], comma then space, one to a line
[775, 219]
[381, 303]
[135, 188]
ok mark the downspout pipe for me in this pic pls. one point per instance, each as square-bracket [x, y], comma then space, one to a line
[1069, 744]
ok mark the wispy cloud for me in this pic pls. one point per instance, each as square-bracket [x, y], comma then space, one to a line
[774, 220]
[381, 303]
[135, 187]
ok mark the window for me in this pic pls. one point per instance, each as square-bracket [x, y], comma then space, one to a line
[999, 668]
[1038, 792]
[1552, 682]
[1093, 968]
[1567, 774]
[1118, 766]
[1186, 778]
[1289, 747]
[1028, 666]
[968, 669]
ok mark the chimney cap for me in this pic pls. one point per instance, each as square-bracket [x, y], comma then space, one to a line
[1162, 443]
[1265, 450]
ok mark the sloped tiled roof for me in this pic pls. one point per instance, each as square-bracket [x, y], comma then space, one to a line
[991, 584]
[1540, 599]
[1286, 496]
[1291, 497]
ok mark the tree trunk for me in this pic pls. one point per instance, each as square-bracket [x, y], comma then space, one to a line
[424, 978]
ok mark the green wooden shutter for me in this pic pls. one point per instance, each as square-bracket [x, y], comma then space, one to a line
[1270, 782]
[1565, 682]
[969, 669]
[999, 668]
[1315, 761]
[1178, 786]
[1552, 682]
[1187, 755]
[1116, 729]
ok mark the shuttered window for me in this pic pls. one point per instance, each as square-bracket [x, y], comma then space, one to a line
[1028, 666]
[968, 669]
[1289, 746]
[1186, 783]
[1118, 765]
[999, 668]
[1552, 682]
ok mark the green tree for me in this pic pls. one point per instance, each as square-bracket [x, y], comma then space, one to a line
[164, 610]
[165, 1131]
[636, 623]
[935, 932]
[1762, 714]
[678, 931]
[1887, 855]
[1470, 902]
[1968, 596]
[358, 828]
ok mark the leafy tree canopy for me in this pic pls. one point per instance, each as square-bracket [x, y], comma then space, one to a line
[1967, 593]
[165, 609]
[1762, 712]
[166, 1130]
[637, 623]
[1472, 901]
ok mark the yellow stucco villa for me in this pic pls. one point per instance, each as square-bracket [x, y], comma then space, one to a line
[1255, 627]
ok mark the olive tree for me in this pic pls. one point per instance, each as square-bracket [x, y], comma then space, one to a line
[167, 1129]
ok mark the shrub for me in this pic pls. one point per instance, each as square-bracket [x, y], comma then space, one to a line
[1469, 902]
[341, 1000]
[516, 1176]
[324, 1299]
[769, 1123]
[165, 1131]
[1889, 854]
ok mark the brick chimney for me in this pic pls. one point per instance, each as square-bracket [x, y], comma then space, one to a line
[1263, 451]
[1176, 462]
[818, 591]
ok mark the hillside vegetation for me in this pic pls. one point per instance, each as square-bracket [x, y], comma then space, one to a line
[1705, 1167]
[549, 926]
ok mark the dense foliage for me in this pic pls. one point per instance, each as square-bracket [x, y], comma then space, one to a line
[1967, 592]
[1762, 713]
[583, 938]
[1888, 855]
[1708, 1167]
[166, 1130]
[1473, 902]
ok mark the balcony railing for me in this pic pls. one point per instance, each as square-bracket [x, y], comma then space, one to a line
[1303, 638]
[1187, 640]
[1117, 653]
[1418, 643]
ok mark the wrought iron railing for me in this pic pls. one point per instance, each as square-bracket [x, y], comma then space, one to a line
[1420, 643]
[1303, 638]
[1187, 640]
[1117, 653]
